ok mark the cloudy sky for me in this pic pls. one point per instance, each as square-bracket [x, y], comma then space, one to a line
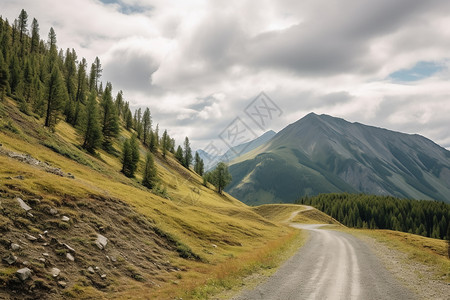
[199, 64]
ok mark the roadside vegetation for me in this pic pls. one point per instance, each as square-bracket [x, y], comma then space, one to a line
[423, 217]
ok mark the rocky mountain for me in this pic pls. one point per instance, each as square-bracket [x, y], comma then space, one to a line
[323, 154]
[237, 151]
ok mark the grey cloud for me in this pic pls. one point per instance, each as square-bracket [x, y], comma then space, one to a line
[131, 69]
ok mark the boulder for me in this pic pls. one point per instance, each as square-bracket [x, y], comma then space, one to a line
[70, 257]
[15, 246]
[65, 219]
[62, 284]
[23, 204]
[23, 274]
[10, 259]
[30, 237]
[101, 241]
[53, 211]
[55, 272]
[91, 270]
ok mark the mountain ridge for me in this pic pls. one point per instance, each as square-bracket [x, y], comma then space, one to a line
[344, 157]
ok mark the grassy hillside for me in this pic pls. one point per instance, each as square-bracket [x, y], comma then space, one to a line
[160, 244]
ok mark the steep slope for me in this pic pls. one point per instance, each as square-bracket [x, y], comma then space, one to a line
[322, 154]
[159, 244]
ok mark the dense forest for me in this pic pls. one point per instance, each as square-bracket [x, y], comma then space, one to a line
[52, 85]
[423, 217]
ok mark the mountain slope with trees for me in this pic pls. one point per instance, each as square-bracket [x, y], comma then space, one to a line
[89, 218]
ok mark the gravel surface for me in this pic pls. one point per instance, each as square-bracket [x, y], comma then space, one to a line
[331, 265]
[416, 276]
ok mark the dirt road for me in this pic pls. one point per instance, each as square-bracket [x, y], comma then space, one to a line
[331, 265]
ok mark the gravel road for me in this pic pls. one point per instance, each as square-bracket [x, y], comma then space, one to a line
[331, 265]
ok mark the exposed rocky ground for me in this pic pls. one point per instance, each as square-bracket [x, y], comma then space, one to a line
[54, 248]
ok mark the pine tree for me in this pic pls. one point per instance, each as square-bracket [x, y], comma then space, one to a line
[92, 79]
[146, 126]
[134, 146]
[91, 128]
[23, 20]
[179, 155]
[221, 177]
[119, 103]
[128, 120]
[110, 124]
[98, 72]
[81, 81]
[56, 96]
[35, 38]
[187, 153]
[164, 143]
[127, 159]
[198, 164]
[150, 175]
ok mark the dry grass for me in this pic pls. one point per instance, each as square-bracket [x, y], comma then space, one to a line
[428, 251]
[195, 215]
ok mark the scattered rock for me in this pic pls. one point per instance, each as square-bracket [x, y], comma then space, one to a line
[45, 254]
[91, 270]
[70, 257]
[214, 245]
[103, 276]
[23, 204]
[10, 259]
[23, 274]
[15, 246]
[30, 237]
[62, 284]
[97, 268]
[46, 232]
[69, 248]
[65, 219]
[30, 215]
[101, 241]
[53, 211]
[55, 272]
[25, 263]
[113, 258]
[41, 237]
[42, 260]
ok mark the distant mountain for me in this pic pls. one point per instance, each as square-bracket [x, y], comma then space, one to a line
[323, 154]
[239, 150]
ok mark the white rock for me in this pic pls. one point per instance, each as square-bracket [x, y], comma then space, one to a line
[15, 246]
[55, 272]
[65, 219]
[53, 211]
[23, 204]
[62, 284]
[101, 241]
[70, 257]
[91, 270]
[30, 237]
[23, 274]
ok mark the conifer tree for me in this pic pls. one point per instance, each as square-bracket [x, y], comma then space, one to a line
[23, 20]
[134, 146]
[110, 123]
[119, 103]
[98, 72]
[91, 128]
[35, 38]
[179, 155]
[220, 177]
[146, 126]
[187, 153]
[150, 174]
[127, 159]
[164, 143]
[81, 81]
[198, 164]
[56, 96]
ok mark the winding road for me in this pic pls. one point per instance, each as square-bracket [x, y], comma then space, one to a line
[331, 265]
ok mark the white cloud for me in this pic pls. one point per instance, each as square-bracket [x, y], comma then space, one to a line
[197, 64]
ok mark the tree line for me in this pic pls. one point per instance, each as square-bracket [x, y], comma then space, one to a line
[54, 85]
[423, 217]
